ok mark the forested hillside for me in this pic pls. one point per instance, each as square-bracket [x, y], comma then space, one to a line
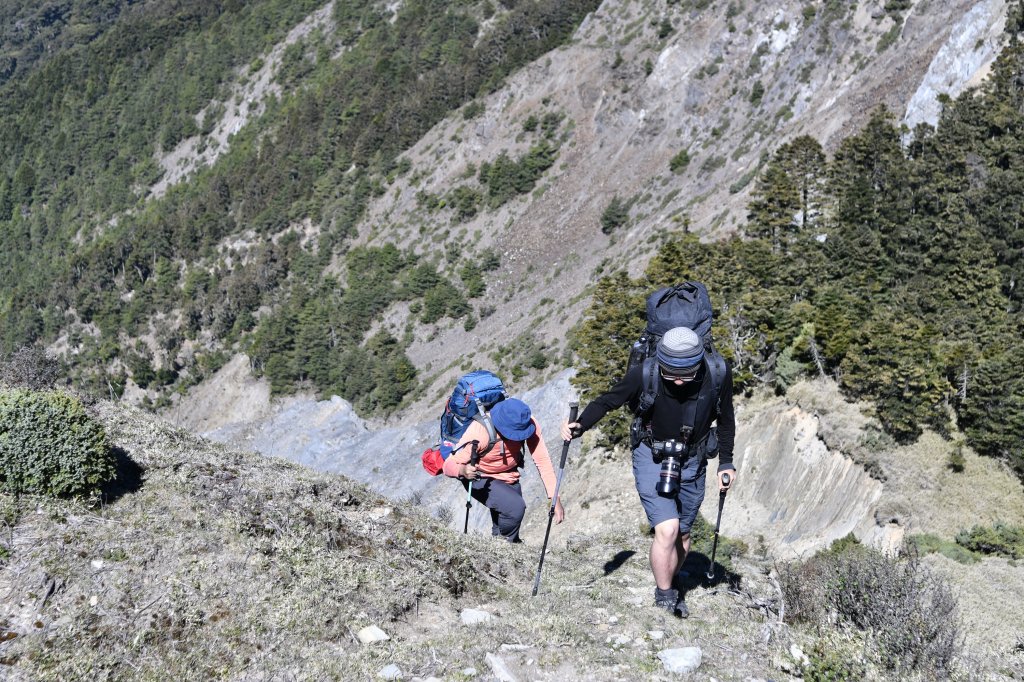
[899, 273]
[894, 265]
[127, 286]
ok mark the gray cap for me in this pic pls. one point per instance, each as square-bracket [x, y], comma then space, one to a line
[680, 348]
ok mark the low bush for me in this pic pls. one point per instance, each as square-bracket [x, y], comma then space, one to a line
[703, 536]
[29, 367]
[1000, 539]
[908, 613]
[927, 543]
[835, 659]
[49, 445]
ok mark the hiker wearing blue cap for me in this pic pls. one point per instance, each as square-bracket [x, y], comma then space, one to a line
[495, 477]
[673, 436]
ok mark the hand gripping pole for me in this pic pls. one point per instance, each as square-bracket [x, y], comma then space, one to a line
[718, 524]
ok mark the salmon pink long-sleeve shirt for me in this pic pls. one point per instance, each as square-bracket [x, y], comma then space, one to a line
[501, 462]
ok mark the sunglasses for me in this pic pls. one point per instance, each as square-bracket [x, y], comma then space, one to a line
[689, 375]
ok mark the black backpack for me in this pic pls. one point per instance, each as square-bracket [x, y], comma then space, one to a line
[684, 305]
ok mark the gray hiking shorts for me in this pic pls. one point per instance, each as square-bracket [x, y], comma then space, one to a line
[684, 505]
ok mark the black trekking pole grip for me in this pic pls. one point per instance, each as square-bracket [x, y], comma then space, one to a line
[718, 524]
[573, 411]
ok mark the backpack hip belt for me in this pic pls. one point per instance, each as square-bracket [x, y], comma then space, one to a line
[706, 447]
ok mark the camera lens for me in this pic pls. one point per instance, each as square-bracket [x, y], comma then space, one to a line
[668, 479]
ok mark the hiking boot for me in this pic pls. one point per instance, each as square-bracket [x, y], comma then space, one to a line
[666, 599]
[681, 609]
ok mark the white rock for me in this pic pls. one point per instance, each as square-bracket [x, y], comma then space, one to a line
[798, 655]
[656, 634]
[96, 563]
[623, 640]
[500, 668]
[469, 672]
[94, 600]
[390, 672]
[372, 634]
[684, 660]
[475, 617]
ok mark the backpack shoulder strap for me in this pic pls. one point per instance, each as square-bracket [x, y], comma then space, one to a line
[649, 377]
[716, 368]
[492, 436]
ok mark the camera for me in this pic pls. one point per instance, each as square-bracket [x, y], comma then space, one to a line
[672, 454]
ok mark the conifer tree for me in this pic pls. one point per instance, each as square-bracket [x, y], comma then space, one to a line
[787, 200]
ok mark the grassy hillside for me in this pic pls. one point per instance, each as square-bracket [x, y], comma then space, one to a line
[200, 562]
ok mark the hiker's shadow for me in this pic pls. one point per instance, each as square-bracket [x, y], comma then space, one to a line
[616, 561]
[696, 569]
[128, 480]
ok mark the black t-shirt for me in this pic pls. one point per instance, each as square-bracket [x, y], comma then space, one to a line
[675, 407]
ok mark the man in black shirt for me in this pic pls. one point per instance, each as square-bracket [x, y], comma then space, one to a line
[694, 389]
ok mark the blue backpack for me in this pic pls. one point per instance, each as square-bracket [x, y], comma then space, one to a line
[474, 394]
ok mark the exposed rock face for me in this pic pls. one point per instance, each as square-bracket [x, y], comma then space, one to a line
[329, 436]
[961, 62]
[791, 489]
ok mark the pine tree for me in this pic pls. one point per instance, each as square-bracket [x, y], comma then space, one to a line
[787, 200]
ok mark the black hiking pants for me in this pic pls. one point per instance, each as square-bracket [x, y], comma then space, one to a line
[506, 504]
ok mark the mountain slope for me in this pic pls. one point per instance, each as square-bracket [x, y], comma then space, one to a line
[817, 73]
[208, 562]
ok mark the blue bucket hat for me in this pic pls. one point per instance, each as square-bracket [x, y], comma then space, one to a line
[679, 349]
[512, 418]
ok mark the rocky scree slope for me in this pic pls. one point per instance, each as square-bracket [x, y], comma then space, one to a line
[641, 82]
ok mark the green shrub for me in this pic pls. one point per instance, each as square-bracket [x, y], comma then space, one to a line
[834, 659]
[1000, 539]
[927, 543]
[615, 215]
[956, 461]
[49, 445]
[678, 163]
[703, 537]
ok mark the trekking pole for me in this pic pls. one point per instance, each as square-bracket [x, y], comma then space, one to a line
[718, 524]
[474, 457]
[573, 409]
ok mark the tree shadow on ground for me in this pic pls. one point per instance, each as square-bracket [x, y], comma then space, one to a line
[129, 477]
[616, 561]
